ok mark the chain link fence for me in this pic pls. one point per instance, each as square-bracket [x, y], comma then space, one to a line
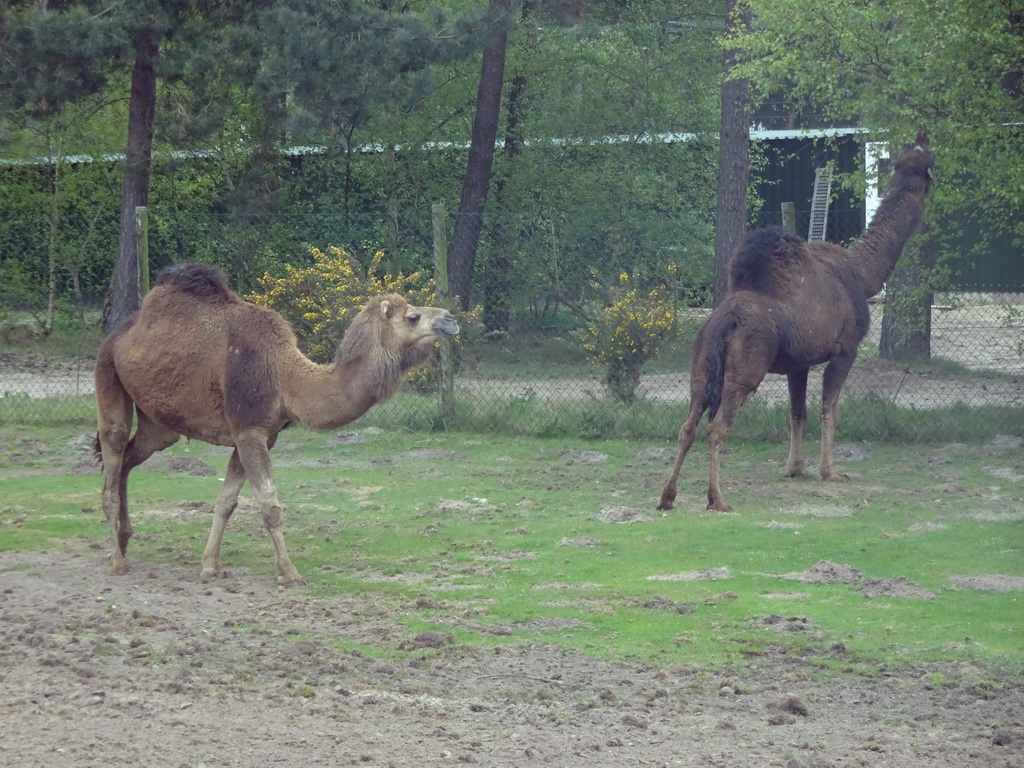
[529, 374]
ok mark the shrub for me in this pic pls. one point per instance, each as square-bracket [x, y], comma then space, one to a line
[633, 326]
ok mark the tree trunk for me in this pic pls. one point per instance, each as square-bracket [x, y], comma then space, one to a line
[500, 272]
[733, 157]
[907, 320]
[469, 221]
[391, 201]
[124, 288]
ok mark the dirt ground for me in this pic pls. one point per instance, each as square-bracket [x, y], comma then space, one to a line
[158, 669]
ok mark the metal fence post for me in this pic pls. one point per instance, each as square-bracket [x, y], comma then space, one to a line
[437, 214]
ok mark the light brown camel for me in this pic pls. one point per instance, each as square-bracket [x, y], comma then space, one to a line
[197, 360]
[791, 305]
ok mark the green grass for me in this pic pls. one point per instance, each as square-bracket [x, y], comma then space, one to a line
[466, 533]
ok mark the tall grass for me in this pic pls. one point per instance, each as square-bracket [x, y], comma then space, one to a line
[19, 408]
[862, 420]
[868, 419]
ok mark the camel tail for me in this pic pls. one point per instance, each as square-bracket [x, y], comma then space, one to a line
[716, 343]
[97, 450]
[763, 254]
[197, 279]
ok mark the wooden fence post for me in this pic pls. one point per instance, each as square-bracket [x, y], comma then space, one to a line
[142, 248]
[437, 212]
[789, 218]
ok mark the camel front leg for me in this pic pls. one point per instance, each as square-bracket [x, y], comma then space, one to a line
[686, 436]
[255, 458]
[797, 383]
[832, 383]
[227, 501]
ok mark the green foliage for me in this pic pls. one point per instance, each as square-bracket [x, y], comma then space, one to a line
[633, 326]
[52, 57]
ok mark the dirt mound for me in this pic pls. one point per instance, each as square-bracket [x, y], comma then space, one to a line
[989, 583]
[897, 587]
[827, 572]
[622, 515]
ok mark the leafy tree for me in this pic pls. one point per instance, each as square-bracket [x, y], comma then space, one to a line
[334, 61]
[950, 67]
[94, 46]
[600, 189]
[50, 84]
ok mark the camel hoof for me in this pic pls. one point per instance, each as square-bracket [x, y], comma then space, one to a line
[795, 472]
[668, 495]
[837, 477]
[294, 581]
[719, 506]
[213, 574]
[118, 565]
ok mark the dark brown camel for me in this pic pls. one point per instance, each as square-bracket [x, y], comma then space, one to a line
[197, 360]
[792, 305]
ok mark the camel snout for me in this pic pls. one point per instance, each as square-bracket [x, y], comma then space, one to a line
[445, 324]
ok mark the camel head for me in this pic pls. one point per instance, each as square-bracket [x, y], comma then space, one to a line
[390, 328]
[412, 324]
[916, 162]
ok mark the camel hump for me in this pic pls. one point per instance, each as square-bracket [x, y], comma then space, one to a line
[765, 256]
[197, 279]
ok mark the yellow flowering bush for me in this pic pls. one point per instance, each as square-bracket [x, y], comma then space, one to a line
[633, 326]
[321, 299]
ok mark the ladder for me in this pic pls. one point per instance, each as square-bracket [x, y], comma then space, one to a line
[819, 203]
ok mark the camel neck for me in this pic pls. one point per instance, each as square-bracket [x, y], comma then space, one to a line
[328, 396]
[876, 251]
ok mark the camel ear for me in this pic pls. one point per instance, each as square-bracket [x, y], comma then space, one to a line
[385, 308]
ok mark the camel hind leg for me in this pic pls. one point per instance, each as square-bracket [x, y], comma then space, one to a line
[733, 399]
[121, 453]
[797, 383]
[115, 410]
[225, 505]
[698, 405]
[149, 438]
